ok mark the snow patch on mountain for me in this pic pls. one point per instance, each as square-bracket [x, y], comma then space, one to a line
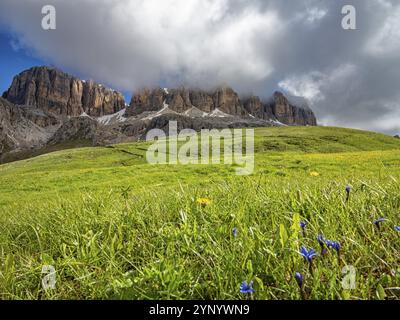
[112, 118]
[219, 114]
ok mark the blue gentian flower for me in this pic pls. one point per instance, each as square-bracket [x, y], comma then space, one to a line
[333, 245]
[308, 255]
[234, 232]
[299, 279]
[348, 189]
[303, 224]
[329, 244]
[337, 246]
[397, 228]
[247, 288]
[378, 223]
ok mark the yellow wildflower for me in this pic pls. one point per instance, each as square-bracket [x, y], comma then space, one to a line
[203, 202]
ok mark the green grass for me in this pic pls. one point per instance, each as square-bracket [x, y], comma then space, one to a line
[116, 227]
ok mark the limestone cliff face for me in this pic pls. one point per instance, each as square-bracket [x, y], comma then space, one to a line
[23, 128]
[182, 99]
[147, 100]
[57, 92]
[227, 100]
[292, 112]
[258, 109]
[279, 108]
[202, 100]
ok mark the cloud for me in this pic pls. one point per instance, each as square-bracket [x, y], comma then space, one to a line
[350, 77]
[137, 43]
[314, 84]
[386, 40]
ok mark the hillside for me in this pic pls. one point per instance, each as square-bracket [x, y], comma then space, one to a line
[70, 172]
[114, 226]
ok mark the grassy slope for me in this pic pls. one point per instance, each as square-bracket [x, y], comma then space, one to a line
[69, 209]
[278, 151]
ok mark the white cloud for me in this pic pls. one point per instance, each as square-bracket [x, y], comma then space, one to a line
[310, 15]
[307, 85]
[313, 85]
[134, 43]
[315, 14]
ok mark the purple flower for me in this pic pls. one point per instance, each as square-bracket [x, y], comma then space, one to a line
[348, 189]
[247, 288]
[378, 223]
[308, 255]
[397, 228]
[303, 224]
[333, 245]
[234, 232]
[299, 279]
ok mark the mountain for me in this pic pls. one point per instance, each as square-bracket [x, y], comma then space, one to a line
[278, 108]
[55, 91]
[23, 128]
[45, 108]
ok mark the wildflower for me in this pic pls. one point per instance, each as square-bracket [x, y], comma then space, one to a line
[299, 279]
[348, 190]
[247, 288]
[203, 202]
[234, 232]
[308, 255]
[336, 246]
[378, 223]
[397, 228]
[303, 225]
[320, 239]
[314, 174]
[333, 244]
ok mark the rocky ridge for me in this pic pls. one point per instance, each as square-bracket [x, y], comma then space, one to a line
[278, 109]
[46, 107]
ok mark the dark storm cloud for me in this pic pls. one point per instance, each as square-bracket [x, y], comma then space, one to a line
[351, 77]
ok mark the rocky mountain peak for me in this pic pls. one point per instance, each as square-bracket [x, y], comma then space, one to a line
[60, 93]
[292, 110]
[280, 108]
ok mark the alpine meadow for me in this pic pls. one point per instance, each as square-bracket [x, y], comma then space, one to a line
[199, 159]
[116, 227]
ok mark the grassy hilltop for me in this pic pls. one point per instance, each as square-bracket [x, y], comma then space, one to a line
[114, 226]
